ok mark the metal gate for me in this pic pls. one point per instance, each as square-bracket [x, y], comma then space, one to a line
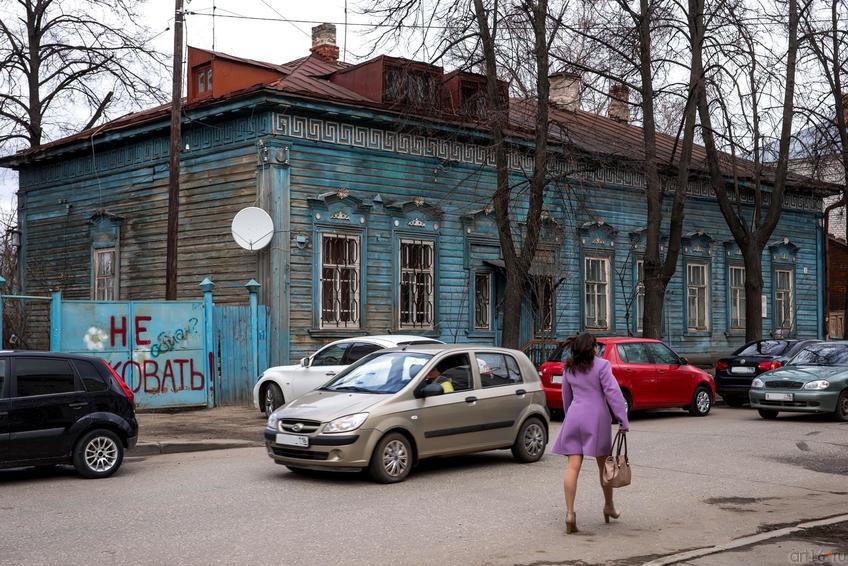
[160, 348]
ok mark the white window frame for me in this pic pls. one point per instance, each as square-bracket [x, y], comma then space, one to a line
[108, 284]
[430, 304]
[640, 294]
[783, 300]
[598, 298]
[702, 293]
[737, 297]
[484, 309]
[354, 323]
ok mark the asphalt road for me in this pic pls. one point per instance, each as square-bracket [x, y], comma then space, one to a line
[697, 482]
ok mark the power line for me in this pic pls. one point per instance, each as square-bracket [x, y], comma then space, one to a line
[233, 15]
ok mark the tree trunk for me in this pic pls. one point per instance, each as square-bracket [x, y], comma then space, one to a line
[654, 298]
[752, 256]
[513, 297]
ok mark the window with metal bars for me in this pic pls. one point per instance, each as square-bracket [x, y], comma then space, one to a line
[482, 301]
[339, 281]
[416, 285]
[105, 279]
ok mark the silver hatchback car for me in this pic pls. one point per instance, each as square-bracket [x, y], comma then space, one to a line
[398, 406]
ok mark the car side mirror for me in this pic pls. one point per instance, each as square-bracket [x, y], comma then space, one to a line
[304, 362]
[429, 390]
[684, 361]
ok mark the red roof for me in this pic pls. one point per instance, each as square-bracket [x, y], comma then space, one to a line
[309, 77]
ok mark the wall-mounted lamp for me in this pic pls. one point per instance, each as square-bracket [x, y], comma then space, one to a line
[300, 240]
[13, 236]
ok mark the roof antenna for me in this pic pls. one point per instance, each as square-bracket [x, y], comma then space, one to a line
[213, 24]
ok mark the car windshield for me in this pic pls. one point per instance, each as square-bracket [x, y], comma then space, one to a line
[380, 372]
[764, 348]
[822, 355]
[561, 353]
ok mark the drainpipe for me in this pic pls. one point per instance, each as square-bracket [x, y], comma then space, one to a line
[841, 202]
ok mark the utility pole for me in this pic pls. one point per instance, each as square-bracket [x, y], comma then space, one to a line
[174, 162]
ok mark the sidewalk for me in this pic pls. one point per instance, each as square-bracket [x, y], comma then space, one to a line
[201, 429]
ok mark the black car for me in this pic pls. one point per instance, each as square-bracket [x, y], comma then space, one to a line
[64, 409]
[734, 374]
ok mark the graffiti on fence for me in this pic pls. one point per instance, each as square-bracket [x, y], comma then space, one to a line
[158, 348]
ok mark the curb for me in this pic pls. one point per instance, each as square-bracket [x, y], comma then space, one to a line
[182, 446]
[746, 541]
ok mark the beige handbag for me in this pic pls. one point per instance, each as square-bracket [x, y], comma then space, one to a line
[617, 466]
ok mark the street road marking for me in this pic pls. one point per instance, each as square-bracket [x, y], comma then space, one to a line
[745, 541]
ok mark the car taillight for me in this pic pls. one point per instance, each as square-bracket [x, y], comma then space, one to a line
[722, 364]
[124, 387]
[768, 366]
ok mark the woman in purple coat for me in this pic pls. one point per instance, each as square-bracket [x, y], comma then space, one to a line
[589, 391]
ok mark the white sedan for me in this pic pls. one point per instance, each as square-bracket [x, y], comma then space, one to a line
[279, 385]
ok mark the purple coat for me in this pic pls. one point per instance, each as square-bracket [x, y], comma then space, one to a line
[586, 400]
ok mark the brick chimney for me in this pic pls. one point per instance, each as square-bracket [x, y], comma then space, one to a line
[565, 90]
[324, 43]
[845, 105]
[619, 102]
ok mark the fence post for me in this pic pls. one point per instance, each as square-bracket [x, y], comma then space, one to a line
[2, 312]
[209, 340]
[55, 321]
[253, 288]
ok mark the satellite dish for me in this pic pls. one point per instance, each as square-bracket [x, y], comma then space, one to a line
[253, 228]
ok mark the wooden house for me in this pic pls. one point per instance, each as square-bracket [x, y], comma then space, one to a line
[379, 180]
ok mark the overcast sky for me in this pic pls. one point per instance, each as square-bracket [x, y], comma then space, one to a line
[272, 41]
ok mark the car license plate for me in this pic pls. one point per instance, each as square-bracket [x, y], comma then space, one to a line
[779, 396]
[743, 370]
[556, 379]
[293, 440]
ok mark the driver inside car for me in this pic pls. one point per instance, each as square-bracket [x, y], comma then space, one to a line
[435, 376]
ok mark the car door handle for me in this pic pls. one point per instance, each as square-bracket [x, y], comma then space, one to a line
[330, 373]
[77, 405]
[471, 400]
[520, 392]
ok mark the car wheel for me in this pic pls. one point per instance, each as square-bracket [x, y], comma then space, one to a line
[702, 402]
[735, 400]
[98, 454]
[841, 412]
[767, 414]
[531, 441]
[392, 459]
[272, 398]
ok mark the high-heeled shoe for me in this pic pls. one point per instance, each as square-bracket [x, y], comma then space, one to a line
[571, 525]
[610, 512]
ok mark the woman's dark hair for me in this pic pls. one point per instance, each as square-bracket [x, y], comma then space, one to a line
[581, 352]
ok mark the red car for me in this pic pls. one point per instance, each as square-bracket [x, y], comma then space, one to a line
[650, 375]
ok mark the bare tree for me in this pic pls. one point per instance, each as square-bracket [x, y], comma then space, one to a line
[61, 57]
[637, 47]
[741, 69]
[825, 145]
[510, 39]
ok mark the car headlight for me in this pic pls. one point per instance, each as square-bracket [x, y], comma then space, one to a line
[273, 420]
[757, 383]
[346, 423]
[817, 385]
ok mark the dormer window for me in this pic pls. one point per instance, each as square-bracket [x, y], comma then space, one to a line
[203, 80]
[410, 87]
